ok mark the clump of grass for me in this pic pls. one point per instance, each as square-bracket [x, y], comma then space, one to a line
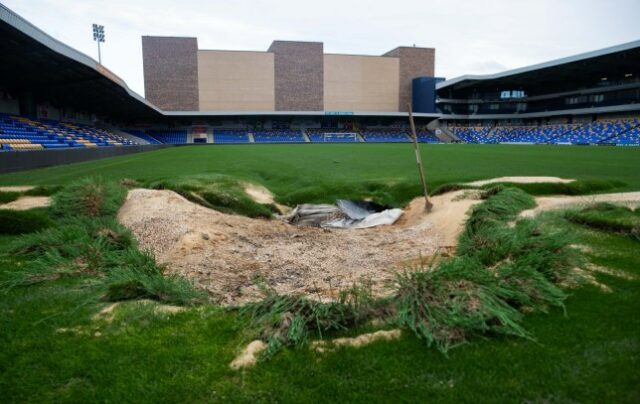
[219, 192]
[9, 196]
[580, 187]
[448, 304]
[23, 221]
[43, 190]
[89, 197]
[450, 187]
[502, 269]
[385, 192]
[608, 217]
[289, 320]
[131, 283]
[88, 242]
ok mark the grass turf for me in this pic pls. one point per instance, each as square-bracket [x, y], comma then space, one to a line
[590, 355]
[322, 173]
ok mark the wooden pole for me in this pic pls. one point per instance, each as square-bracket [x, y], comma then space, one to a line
[427, 203]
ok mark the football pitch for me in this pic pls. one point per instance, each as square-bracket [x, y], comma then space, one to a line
[587, 350]
[287, 168]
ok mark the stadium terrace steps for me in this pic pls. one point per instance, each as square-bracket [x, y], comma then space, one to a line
[26, 133]
[142, 135]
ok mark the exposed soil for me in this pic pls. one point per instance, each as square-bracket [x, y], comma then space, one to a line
[258, 194]
[558, 202]
[249, 355]
[262, 195]
[225, 254]
[27, 202]
[17, 188]
[521, 180]
[355, 342]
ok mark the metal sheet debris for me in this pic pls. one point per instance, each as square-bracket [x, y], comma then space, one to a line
[346, 214]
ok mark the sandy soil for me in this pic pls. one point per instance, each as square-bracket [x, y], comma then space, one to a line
[27, 202]
[249, 355]
[262, 195]
[520, 180]
[17, 188]
[355, 342]
[224, 254]
[557, 202]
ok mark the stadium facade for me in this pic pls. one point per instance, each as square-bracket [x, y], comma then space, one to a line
[289, 76]
[52, 96]
[599, 82]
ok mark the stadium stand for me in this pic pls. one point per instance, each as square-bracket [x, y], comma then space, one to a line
[618, 131]
[24, 133]
[170, 136]
[142, 135]
[425, 136]
[596, 132]
[473, 134]
[332, 135]
[628, 138]
[530, 134]
[278, 136]
[372, 135]
[230, 136]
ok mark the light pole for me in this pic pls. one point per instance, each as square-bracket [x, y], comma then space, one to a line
[98, 36]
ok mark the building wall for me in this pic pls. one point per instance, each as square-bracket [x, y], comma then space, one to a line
[414, 62]
[242, 81]
[298, 75]
[360, 83]
[171, 72]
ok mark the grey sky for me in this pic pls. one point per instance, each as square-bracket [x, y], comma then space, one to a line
[470, 37]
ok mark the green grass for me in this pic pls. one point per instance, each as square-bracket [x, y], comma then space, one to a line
[216, 191]
[578, 187]
[606, 216]
[322, 173]
[586, 351]
[6, 197]
[25, 221]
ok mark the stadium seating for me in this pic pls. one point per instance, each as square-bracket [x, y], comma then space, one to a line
[230, 136]
[473, 134]
[372, 135]
[619, 131]
[597, 132]
[170, 136]
[424, 136]
[628, 138]
[530, 134]
[278, 136]
[23, 133]
[142, 135]
[324, 135]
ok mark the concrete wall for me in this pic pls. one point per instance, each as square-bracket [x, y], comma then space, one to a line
[298, 75]
[28, 160]
[414, 62]
[230, 80]
[8, 106]
[171, 72]
[360, 83]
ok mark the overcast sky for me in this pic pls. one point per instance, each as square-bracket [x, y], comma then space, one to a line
[470, 37]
